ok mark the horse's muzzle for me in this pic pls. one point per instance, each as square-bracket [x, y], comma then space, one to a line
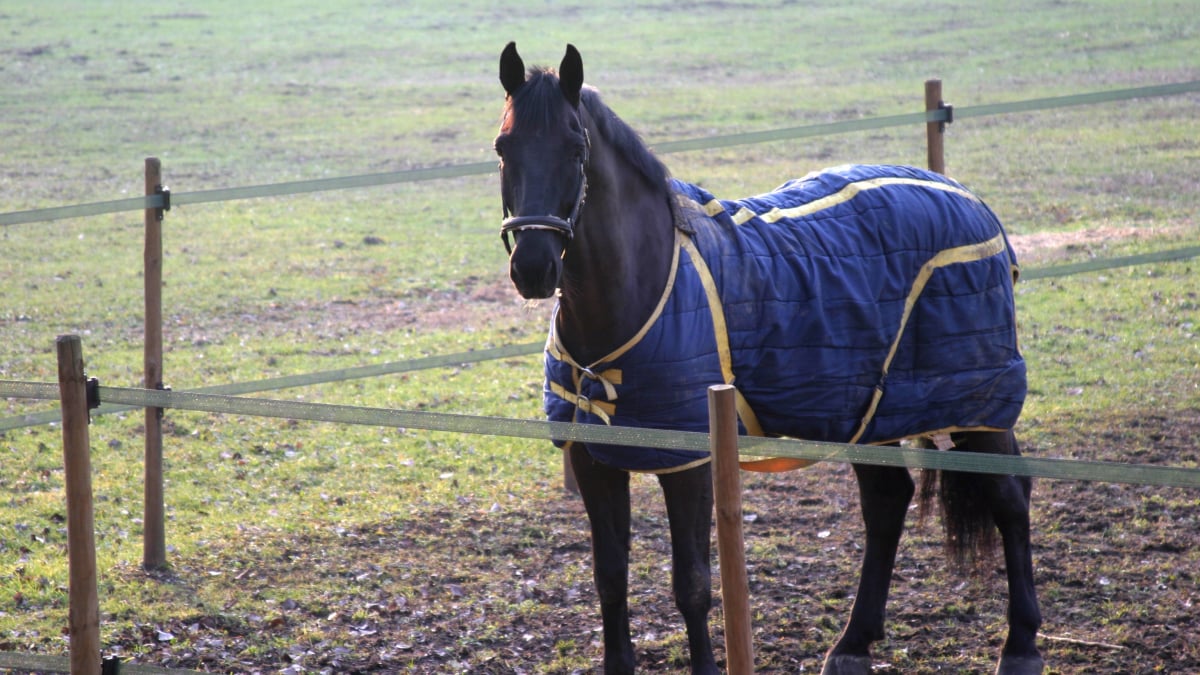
[535, 276]
[535, 286]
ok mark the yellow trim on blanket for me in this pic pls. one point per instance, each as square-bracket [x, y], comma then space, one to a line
[721, 333]
[714, 307]
[950, 256]
[842, 196]
[561, 354]
[611, 377]
[928, 435]
[713, 208]
[675, 469]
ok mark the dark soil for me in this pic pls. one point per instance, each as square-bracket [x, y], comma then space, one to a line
[508, 590]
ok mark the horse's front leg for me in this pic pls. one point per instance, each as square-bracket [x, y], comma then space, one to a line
[605, 493]
[689, 498]
[885, 493]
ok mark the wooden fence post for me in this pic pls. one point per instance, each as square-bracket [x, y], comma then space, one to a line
[731, 551]
[84, 607]
[569, 483]
[154, 547]
[935, 131]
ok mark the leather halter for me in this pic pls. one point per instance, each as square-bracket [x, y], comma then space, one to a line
[563, 226]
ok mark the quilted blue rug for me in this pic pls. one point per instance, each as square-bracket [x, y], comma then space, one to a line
[859, 304]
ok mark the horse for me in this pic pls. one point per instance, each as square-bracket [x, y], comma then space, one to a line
[866, 304]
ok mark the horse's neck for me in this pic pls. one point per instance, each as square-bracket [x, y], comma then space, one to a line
[617, 268]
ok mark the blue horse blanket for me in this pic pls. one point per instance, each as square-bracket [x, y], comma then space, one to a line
[863, 304]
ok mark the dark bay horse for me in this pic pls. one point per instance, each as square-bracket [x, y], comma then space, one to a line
[864, 304]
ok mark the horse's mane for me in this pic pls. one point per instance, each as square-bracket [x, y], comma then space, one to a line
[622, 137]
[540, 96]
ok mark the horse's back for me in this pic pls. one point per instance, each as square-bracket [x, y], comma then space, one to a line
[861, 278]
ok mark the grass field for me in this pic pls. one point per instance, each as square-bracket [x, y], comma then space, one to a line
[267, 515]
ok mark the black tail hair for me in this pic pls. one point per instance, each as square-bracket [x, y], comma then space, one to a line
[971, 536]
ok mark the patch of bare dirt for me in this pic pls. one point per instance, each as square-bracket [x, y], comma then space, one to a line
[472, 303]
[1047, 247]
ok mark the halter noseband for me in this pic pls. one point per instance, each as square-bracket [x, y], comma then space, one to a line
[563, 226]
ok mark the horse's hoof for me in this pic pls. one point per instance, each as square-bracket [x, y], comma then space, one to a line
[1020, 665]
[846, 664]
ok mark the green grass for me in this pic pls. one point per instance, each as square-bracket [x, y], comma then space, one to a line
[229, 94]
[1121, 340]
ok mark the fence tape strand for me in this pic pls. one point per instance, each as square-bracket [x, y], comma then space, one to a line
[917, 458]
[526, 349]
[659, 438]
[1100, 264]
[478, 168]
[34, 390]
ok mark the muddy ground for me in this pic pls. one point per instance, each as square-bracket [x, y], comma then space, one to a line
[508, 590]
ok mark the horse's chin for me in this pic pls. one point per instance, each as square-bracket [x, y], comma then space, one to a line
[534, 297]
[536, 282]
[536, 294]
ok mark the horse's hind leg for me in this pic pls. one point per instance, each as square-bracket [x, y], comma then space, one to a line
[605, 493]
[689, 499]
[1008, 497]
[885, 494]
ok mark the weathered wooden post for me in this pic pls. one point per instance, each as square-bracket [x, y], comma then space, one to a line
[84, 608]
[935, 131]
[154, 546]
[731, 551]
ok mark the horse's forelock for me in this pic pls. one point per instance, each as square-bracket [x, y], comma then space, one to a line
[534, 101]
[539, 99]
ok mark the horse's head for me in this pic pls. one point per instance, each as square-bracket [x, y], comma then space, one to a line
[543, 148]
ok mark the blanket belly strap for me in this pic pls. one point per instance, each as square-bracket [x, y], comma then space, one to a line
[602, 409]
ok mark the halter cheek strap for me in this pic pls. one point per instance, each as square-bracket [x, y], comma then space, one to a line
[563, 226]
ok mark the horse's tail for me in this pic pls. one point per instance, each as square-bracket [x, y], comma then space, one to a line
[970, 532]
[967, 517]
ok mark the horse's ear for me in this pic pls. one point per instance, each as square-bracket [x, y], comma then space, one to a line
[512, 69]
[570, 75]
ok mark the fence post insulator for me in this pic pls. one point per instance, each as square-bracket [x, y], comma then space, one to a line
[165, 191]
[949, 108]
[92, 387]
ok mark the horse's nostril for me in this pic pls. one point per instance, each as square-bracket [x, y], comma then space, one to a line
[535, 282]
[550, 279]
